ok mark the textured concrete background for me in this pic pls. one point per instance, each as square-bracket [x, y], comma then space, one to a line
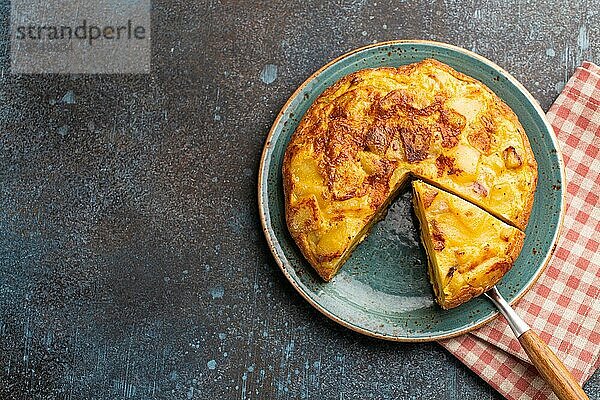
[132, 263]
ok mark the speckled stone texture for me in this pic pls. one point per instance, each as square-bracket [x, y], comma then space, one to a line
[132, 263]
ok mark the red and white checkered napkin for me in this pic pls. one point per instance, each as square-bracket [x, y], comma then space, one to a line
[564, 305]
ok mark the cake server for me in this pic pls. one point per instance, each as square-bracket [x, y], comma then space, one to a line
[549, 366]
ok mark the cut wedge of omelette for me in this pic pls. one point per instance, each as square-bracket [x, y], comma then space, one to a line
[469, 250]
[369, 133]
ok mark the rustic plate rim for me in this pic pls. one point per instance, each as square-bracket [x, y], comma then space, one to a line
[347, 324]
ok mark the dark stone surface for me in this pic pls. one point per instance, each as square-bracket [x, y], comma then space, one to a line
[132, 263]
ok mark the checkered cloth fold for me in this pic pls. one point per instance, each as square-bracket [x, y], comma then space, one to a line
[564, 305]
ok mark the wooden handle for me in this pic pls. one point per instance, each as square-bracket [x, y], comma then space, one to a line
[551, 368]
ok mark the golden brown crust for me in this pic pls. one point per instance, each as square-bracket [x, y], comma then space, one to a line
[364, 134]
[428, 198]
[516, 245]
[521, 221]
[466, 293]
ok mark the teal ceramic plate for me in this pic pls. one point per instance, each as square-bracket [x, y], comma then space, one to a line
[383, 290]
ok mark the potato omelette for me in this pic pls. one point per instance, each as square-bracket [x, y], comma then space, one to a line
[469, 250]
[365, 136]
